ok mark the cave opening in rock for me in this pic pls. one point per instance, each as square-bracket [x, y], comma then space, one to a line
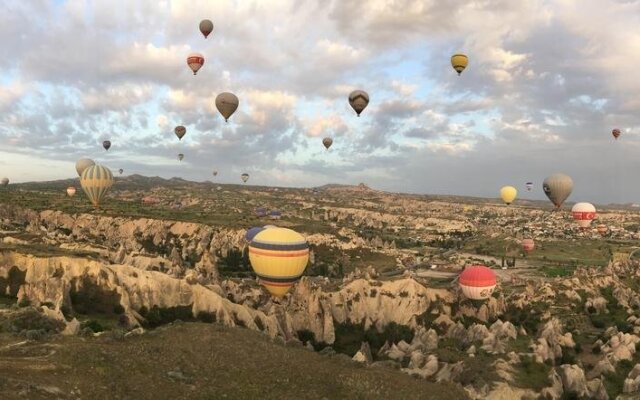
[88, 297]
[10, 285]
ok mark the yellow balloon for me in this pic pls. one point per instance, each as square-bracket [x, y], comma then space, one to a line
[278, 256]
[459, 62]
[96, 181]
[508, 194]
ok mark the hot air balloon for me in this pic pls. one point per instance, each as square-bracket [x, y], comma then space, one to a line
[206, 27]
[616, 133]
[4, 181]
[602, 229]
[227, 104]
[215, 173]
[508, 194]
[120, 171]
[106, 144]
[529, 186]
[528, 245]
[180, 131]
[261, 212]
[96, 181]
[477, 282]
[275, 214]
[459, 62]
[583, 213]
[244, 177]
[252, 232]
[180, 157]
[358, 99]
[71, 191]
[195, 61]
[83, 164]
[327, 142]
[557, 187]
[278, 256]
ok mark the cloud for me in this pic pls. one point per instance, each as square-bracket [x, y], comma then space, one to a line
[546, 83]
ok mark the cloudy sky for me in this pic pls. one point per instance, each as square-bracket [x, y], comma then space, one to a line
[547, 82]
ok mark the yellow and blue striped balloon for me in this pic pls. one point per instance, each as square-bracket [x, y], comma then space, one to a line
[96, 181]
[278, 256]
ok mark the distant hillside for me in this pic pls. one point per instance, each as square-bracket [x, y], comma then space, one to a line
[140, 182]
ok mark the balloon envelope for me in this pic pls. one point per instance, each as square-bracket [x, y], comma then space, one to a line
[180, 131]
[71, 191]
[529, 186]
[528, 245]
[227, 104]
[459, 62]
[477, 282]
[180, 156]
[96, 181]
[215, 173]
[583, 213]
[278, 256]
[206, 27]
[106, 144]
[327, 142]
[120, 171]
[83, 164]
[252, 232]
[358, 99]
[615, 133]
[244, 177]
[557, 187]
[508, 194]
[195, 61]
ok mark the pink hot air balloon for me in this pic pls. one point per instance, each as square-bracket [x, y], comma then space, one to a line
[195, 61]
[583, 213]
[477, 282]
[528, 245]
[71, 191]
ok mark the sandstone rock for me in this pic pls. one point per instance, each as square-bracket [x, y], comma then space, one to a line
[573, 380]
[72, 328]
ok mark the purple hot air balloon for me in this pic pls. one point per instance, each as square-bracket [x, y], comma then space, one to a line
[261, 212]
[252, 232]
[275, 214]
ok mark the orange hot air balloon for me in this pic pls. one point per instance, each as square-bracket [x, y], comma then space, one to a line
[195, 61]
[71, 191]
[616, 133]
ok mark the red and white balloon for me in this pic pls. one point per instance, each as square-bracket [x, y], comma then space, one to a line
[195, 61]
[528, 245]
[477, 282]
[583, 213]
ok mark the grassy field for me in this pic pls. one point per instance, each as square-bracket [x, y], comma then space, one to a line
[553, 252]
[195, 361]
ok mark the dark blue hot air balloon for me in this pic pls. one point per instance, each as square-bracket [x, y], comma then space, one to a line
[252, 232]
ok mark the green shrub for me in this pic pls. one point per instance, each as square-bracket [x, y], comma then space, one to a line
[94, 325]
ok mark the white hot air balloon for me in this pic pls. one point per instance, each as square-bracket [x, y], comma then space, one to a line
[583, 213]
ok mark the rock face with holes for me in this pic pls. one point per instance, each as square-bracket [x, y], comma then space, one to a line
[74, 283]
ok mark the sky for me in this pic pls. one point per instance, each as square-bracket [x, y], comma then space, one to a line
[547, 81]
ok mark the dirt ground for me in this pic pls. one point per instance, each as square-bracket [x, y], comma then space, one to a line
[194, 361]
